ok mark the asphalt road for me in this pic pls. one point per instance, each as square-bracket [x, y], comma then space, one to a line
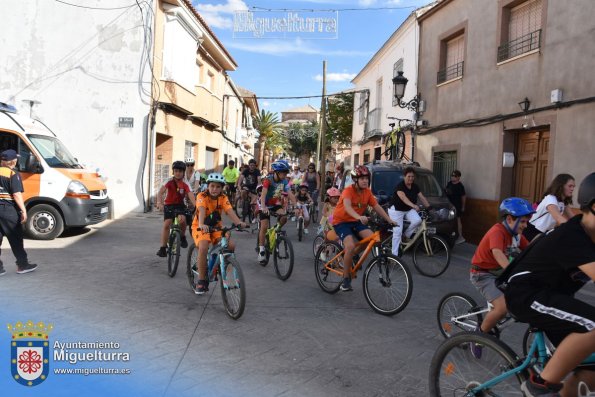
[107, 284]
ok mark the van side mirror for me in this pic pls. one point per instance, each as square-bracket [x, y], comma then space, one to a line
[33, 165]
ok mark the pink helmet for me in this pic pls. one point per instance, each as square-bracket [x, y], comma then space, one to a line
[333, 192]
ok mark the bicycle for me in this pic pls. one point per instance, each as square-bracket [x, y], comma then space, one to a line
[248, 207]
[277, 243]
[395, 147]
[431, 253]
[299, 214]
[313, 210]
[387, 281]
[221, 261]
[454, 371]
[231, 195]
[318, 240]
[174, 242]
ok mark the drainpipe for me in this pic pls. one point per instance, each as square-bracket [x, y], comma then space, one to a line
[151, 154]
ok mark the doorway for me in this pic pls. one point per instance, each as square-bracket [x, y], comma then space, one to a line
[532, 165]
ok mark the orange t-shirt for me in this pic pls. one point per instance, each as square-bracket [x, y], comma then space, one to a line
[496, 237]
[210, 205]
[359, 202]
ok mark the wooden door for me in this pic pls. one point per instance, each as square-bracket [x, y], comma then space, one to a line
[531, 165]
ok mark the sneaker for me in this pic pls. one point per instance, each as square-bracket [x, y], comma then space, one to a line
[28, 268]
[262, 256]
[201, 287]
[460, 240]
[476, 350]
[306, 231]
[533, 388]
[184, 242]
[162, 252]
[346, 285]
[2, 271]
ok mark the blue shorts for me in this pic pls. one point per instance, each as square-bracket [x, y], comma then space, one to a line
[349, 229]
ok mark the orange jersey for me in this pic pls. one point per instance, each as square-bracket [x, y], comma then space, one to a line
[203, 200]
[359, 202]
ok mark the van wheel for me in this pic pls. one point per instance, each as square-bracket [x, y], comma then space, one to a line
[44, 222]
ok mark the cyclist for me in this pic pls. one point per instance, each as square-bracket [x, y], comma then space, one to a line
[540, 290]
[231, 175]
[249, 180]
[191, 176]
[295, 177]
[177, 191]
[404, 206]
[209, 205]
[330, 203]
[501, 243]
[312, 179]
[303, 200]
[274, 188]
[349, 220]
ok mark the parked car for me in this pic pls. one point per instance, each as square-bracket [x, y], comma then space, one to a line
[387, 174]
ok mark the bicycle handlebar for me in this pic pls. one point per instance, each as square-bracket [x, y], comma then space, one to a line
[226, 229]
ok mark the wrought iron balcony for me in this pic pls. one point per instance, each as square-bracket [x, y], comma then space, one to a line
[373, 127]
[451, 72]
[523, 44]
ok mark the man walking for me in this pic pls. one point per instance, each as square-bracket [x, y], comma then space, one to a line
[455, 191]
[12, 211]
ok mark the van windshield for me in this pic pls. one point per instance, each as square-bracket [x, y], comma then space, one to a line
[53, 151]
[387, 181]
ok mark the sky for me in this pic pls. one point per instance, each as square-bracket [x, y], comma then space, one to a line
[292, 66]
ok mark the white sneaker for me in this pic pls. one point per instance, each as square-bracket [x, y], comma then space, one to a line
[262, 256]
[460, 240]
[306, 231]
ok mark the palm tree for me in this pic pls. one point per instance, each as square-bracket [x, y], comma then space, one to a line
[267, 124]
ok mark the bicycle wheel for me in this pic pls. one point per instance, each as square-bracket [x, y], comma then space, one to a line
[173, 253]
[233, 287]
[454, 371]
[318, 240]
[328, 280]
[300, 228]
[387, 285]
[432, 260]
[283, 258]
[192, 265]
[314, 214]
[400, 146]
[450, 308]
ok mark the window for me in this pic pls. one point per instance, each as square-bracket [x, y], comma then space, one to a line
[443, 164]
[362, 106]
[366, 156]
[199, 69]
[356, 159]
[452, 58]
[377, 153]
[179, 53]
[521, 32]
[210, 160]
[189, 150]
[397, 67]
[211, 81]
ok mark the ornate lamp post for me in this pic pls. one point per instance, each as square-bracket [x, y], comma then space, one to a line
[399, 84]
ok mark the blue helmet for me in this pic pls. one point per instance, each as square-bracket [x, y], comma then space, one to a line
[516, 207]
[280, 166]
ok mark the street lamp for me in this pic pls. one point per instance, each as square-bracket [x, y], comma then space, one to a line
[399, 84]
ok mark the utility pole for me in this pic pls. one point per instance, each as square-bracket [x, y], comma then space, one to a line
[322, 136]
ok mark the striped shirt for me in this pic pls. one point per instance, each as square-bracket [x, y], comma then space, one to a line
[10, 183]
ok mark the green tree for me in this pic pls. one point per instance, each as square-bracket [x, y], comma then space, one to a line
[302, 138]
[270, 130]
[339, 119]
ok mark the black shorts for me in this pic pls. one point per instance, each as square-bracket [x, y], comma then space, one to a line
[556, 314]
[169, 210]
[231, 187]
[262, 216]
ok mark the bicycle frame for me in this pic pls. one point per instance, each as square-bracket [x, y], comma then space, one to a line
[422, 230]
[369, 242]
[538, 346]
[486, 309]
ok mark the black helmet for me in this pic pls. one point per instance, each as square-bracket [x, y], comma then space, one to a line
[586, 192]
[251, 161]
[178, 165]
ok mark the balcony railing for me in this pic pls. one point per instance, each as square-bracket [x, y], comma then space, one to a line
[451, 72]
[523, 44]
[373, 127]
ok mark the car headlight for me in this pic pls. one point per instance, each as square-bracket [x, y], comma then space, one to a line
[77, 189]
[451, 214]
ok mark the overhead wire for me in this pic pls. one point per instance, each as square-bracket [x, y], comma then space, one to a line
[93, 8]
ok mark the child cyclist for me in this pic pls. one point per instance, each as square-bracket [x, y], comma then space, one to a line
[274, 187]
[177, 191]
[330, 203]
[303, 199]
[209, 205]
[540, 288]
[493, 254]
[349, 220]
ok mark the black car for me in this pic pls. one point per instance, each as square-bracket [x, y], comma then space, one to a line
[387, 174]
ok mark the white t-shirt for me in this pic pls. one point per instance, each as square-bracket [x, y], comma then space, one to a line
[193, 178]
[542, 219]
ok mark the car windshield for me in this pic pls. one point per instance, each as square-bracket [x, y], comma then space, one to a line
[53, 151]
[387, 181]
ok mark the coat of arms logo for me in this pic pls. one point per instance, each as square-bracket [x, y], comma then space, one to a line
[29, 358]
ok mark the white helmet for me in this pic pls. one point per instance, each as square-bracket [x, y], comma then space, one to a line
[216, 177]
[189, 160]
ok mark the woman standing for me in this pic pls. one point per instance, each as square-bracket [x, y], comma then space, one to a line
[554, 207]
[312, 179]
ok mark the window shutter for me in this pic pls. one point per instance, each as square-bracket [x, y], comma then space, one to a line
[524, 19]
[455, 51]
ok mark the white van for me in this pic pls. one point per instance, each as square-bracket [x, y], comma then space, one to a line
[59, 192]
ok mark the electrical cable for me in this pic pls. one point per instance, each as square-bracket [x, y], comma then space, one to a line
[93, 8]
[329, 9]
